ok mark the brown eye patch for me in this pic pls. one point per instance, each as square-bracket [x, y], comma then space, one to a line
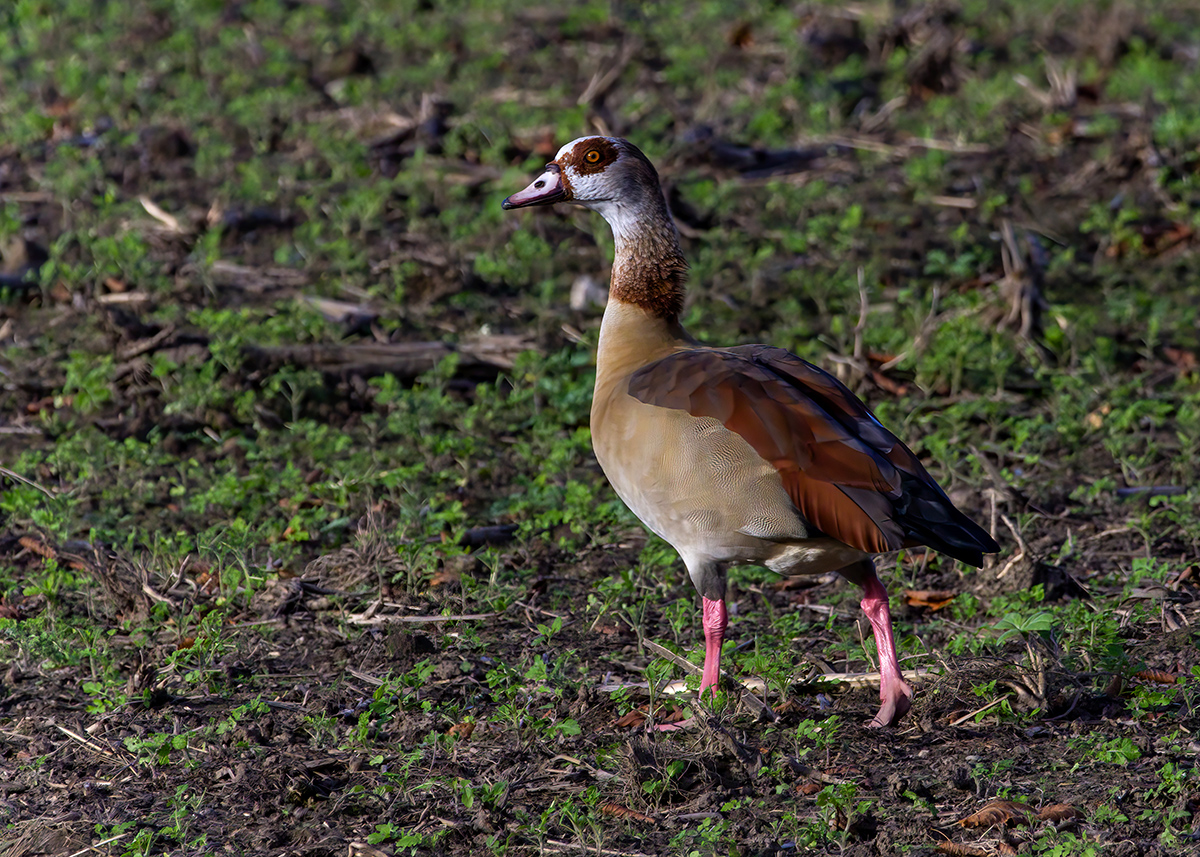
[592, 156]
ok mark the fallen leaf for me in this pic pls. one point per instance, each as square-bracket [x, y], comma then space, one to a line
[996, 813]
[883, 382]
[795, 582]
[207, 584]
[1188, 574]
[39, 405]
[931, 599]
[445, 577]
[741, 36]
[788, 706]
[618, 811]
[462, 731]
[1185, 361]
[38, 547]
[1096, 418]
[676, 714]
[20, 608]
[809, 788]
[1159, 676]
[1059, 812]
[632, 719]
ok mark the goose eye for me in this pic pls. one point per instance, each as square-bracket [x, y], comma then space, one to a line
[592, 157]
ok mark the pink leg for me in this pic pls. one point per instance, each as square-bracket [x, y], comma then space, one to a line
[715, 621]
[894, 693]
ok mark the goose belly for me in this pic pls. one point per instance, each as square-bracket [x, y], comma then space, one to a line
[697, 485]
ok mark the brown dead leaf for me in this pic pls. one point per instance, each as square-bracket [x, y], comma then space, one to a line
[1115, 687]
[953, 848]
[809, 788]
[461, 731]
[1159, 676]
[1005, 850]
[616, 810]
[1189, 574]
[37, 546]
[996, 813]
[888, 385]
[445, 577]
[207, 584]
[59, 293]
[795, 582]
[1183, 360]
[741, 36]
[674, 716]
[20, 607]
[1096, 418]
[788, 706]
[931, 599]
[632, 719]
[1059, 812]
[185, 643]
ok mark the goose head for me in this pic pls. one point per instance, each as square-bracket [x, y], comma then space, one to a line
[609, 175]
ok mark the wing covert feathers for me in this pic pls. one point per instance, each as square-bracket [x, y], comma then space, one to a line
[845, 473]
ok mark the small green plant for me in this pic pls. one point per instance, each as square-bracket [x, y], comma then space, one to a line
[156, 748]
[840, 806]
[1098, 750]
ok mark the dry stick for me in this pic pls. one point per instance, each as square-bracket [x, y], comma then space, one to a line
[759, 705]
[602, 82]
[596, 772]
[1022, 548]
[928, 325]
[85, 742]
[140, 348]
[178, 581]
[168, 220]
[362, 676]
[357, 618]
[907, 147]
[558, 846]
[19, 478]
[667, 654]
[873, 679]
[96, 847]
[968, 716]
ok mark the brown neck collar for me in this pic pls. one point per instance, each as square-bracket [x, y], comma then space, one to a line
[649, 269]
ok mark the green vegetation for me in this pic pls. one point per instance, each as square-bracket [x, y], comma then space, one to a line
[255, 554]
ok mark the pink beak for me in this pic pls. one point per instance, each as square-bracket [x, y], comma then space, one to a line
[546, 189]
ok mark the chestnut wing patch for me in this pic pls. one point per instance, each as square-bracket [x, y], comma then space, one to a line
[845, 473]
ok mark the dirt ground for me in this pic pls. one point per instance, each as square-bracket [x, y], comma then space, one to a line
[267, 784]
[277, 739]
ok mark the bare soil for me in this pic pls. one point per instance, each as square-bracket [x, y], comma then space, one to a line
[285, 777]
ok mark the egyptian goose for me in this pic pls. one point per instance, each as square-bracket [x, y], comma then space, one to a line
[745, 454]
